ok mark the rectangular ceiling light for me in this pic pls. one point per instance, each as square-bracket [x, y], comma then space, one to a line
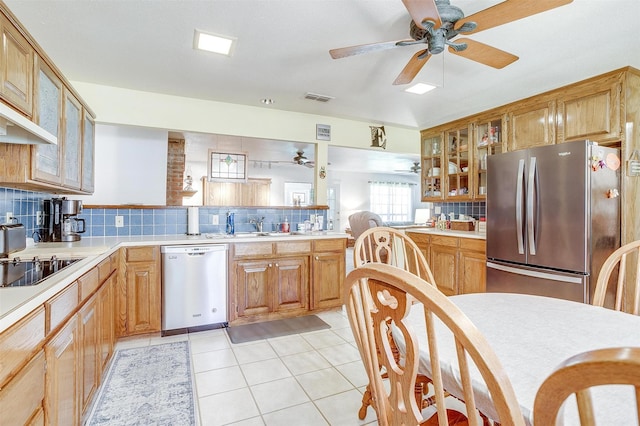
[213, 43]
[420, 88]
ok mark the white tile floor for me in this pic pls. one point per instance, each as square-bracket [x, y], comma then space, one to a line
[305, 379]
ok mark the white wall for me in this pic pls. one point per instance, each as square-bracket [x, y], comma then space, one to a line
[130, 166]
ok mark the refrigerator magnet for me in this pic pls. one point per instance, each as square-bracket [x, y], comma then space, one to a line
[613, 161]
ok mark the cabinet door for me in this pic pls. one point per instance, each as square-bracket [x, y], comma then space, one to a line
[472, 272]
[431, 167]
[47, 164]
[23, 395]
[72, 141]
[291, 281]
[444, 268]
[592, 111]
[88, 148]
[532, 126]
[62, 396]
[106, 327]
[456, 170]
[143, 298]
[16, 68]
[328, 280]
[253, 291]
[88, 321]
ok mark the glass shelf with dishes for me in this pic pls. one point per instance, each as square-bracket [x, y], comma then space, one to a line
[489, 141]
[458, 162]
[431, 157]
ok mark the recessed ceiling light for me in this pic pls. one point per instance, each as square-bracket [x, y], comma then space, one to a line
[420, 88]
[267, 101]
[213, 43]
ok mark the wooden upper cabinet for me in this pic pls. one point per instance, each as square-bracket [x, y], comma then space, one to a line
[88, 153]
[591, 110]
[16, 68]
[47, 159]
[253, 192]
[72, 122]
[532, 125]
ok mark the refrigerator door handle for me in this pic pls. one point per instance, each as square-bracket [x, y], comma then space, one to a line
[519, 187]
[530, 206]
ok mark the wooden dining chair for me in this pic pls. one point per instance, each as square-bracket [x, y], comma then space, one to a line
[393, 247]
[382, 244]
[380, 296]
[624, 285]
[578, 374]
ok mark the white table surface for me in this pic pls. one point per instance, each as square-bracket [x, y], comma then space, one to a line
[532, 335]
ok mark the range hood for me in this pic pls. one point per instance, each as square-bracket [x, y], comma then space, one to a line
[16, 128]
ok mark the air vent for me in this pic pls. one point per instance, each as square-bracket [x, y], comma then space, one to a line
[317, 97]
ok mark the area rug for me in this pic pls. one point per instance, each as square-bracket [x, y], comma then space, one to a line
[277, 328]
[151, 385]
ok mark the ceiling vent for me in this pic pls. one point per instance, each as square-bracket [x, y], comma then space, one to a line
[317, 97]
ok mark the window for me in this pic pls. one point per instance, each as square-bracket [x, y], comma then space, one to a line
[393, 201]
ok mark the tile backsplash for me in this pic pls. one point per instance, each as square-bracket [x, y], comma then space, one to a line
[173, 220]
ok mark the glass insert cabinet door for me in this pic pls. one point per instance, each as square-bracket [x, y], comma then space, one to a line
[458, 162]
[48, 106]
[489, 141]
[431, 168]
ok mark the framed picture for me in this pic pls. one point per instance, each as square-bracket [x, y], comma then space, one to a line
[227, 166]
[299, 198]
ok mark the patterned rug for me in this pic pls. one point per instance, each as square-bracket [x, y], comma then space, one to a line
[151, 385]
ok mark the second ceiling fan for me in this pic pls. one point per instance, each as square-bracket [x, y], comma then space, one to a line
[436, 22]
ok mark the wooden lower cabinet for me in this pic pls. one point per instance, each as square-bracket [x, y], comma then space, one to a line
[88, 320]
[458, 264]
[62, 396]
[21, 400]
[106, 326]
[139, 298]
[285, 279]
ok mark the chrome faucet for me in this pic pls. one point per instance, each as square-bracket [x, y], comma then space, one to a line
[257, 223]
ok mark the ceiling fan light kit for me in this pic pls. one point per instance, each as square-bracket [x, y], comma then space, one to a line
[437, 22]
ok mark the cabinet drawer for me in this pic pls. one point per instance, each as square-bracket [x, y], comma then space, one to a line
[24, 394]
[59, 307]
[88, 283]
[419, 238]
[20, 341]
[338, 244]
[439, 240]
[115, 260]
[289, 247]
[473, 244]
[104, 270]
[141, 254]
[252, 249]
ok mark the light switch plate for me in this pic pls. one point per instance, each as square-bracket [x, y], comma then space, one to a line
[39, 218]
[119, 221]
[215, 220]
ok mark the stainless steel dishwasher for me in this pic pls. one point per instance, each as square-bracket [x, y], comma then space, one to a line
[194, 287]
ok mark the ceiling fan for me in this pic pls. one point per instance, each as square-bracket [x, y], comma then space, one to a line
[302, 160]
[436, 22]
[413, 169]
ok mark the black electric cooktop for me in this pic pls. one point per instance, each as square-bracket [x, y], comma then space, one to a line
[21, 273]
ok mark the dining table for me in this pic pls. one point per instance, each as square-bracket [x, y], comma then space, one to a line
[531, 336]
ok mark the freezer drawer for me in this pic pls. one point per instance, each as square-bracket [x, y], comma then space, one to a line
[510, 278]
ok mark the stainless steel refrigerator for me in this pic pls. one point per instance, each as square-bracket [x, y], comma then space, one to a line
[553, 217]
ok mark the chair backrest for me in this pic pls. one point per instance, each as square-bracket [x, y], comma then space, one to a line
[623, 286]
[391, 246]
[361, 221]
[375, 293]
[576, 375]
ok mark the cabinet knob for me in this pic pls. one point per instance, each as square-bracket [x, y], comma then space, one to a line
[317, 258]
[270, 265]
[277, 265]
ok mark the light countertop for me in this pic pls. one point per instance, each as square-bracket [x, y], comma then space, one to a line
[450, 233]
[16, 302]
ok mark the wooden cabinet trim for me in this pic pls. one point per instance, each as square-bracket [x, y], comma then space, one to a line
[292, 247]
[142, 254]
[253, 249]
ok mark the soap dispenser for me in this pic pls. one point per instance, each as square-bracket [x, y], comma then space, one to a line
[285, 225]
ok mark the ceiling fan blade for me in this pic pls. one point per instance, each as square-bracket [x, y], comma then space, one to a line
[509, 11]
[484, 53]
[343, 52]
[412, 68]
[420, 10]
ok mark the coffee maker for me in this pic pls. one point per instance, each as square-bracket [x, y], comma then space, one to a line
[60, 221]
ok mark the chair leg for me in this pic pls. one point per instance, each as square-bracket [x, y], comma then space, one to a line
[366, 402]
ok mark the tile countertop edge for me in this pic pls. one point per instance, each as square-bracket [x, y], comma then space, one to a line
[15, 303]
[449, 233]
